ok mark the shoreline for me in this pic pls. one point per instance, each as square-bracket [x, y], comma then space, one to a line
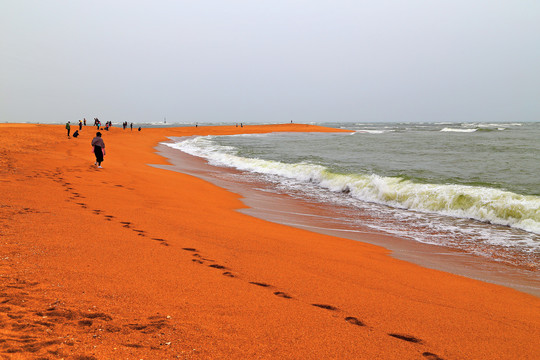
[135, 261]
[264, 204]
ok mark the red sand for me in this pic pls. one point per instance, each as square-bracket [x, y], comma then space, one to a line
[136, 262]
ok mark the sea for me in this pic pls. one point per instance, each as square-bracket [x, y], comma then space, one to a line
[473, 188]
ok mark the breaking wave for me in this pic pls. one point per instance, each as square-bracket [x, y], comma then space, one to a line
[471, 202]
[458, 130]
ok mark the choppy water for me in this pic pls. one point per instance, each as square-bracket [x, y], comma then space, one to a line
[474, 187]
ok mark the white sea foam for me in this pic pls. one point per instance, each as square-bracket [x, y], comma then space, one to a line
[499, 124]
[458, 130]
[468, 202]
[370, 131]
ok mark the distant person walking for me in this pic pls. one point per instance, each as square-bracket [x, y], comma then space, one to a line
[131, 126]
[84, 121]
[99, 149]
[68, 128]
[80, 125]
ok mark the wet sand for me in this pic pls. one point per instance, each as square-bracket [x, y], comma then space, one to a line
[262, 200]
[132, 261]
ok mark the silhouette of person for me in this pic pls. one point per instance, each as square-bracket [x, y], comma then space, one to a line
[99, 149]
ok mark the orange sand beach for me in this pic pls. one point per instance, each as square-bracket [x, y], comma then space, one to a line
[137, 262]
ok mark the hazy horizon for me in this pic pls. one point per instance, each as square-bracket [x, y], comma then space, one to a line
[269, 62]
[90, 122]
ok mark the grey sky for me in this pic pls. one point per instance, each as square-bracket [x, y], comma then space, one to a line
[269, 61]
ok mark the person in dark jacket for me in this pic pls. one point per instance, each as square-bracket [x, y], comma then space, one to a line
[99, 149]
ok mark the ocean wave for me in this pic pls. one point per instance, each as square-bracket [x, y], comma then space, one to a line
[458, 130]
[470, 202]
[371, 131]
[496, 125]
[487, 129]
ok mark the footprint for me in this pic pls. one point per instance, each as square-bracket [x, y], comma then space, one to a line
[61, 313]
[259, 284]
[44, 323]
[197, 261]
[228, 274]
[36, 346]
[189, 249]
[216, 266]
[137, 326]
[408, 338]
[283, 295]
[327, 307]
[354, 321]
[97, 315]
[158, 239]
[431, 356]
[13, 316]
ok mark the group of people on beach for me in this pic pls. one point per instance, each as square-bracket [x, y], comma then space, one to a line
[68, 128]
[98, 145]
[76, 133]
[125, 123]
